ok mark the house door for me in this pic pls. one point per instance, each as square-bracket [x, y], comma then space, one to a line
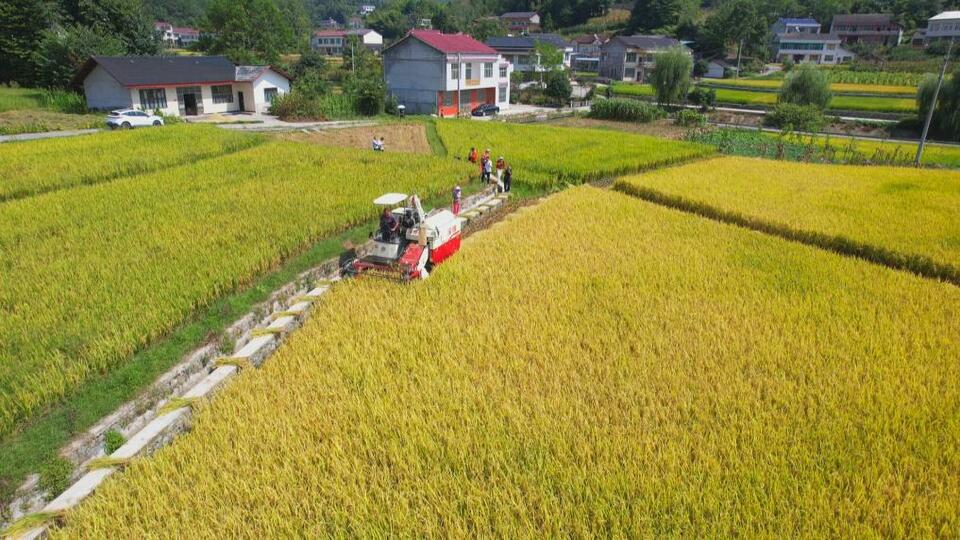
[190, 104]
[240, 101]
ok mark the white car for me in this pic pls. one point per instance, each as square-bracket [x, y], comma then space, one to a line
[131, 118]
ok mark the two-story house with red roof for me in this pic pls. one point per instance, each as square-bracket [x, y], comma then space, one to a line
[434, 73]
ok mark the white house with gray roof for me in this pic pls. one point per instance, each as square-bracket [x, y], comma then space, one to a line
[805, 47]
[632, 58]
[179, 85]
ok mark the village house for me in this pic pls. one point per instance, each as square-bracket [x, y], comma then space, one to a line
[521, 51]
[586, 52]
[176, 36]
[867, 28]
[179, 85]
[332, 42]
[943, 26]
[521, 21]
[445, 74]
[806, 47]
[632, 58]
[792, 25]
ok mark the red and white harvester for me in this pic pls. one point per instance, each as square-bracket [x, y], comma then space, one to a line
[419, 242]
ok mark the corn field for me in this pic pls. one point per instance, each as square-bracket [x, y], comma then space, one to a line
[89, 276]
[678, 377]
[547, 156]
[51, 164]
[896, 215]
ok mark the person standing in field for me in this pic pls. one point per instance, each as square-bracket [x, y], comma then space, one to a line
[507, 178]
[472, 157]
[376, 144]
[457, 195]
[501, 165]
[487, 170]
[383, 144]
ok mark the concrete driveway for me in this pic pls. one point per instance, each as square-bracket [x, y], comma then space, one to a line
[47, 135]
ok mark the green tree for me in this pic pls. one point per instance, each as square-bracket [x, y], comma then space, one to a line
[739, 24]
[671, 76]
[248, 31]
[650, 15]
[22, 26]
[806, 85]
[946, 116]
[558, 87]
[486, 28]
[549, 57]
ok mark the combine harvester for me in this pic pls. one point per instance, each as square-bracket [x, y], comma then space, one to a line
[420, 242]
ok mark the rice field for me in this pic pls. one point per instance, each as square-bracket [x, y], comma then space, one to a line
[769, 99]
[680, 377]
[545, 156]
[51, 164]
[91, 275]
[837, 88]
[896, 215]
[937, 155]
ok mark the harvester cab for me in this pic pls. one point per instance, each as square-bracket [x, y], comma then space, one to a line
[411, 244]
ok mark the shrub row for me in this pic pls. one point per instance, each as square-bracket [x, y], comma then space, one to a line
[625, 109]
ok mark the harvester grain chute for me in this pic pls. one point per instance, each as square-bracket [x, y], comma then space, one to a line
[417, 243]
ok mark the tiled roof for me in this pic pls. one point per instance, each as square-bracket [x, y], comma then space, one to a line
[169, 70]
[553, 39]
[791, 20]
[647, 42]
[518, 14]
[451, 43]
[946, 15]
[863, 18]
[807, 36]
[508, 42]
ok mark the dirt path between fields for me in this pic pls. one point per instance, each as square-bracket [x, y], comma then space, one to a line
[397, 137]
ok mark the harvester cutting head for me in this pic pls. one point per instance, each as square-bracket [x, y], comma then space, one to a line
[408, 242]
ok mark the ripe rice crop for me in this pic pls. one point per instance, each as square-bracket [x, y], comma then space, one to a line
[768, 99]
[894, 215]
[89, 276]
[39, 166]
[940, 155]
[837, 88]
[556, 154]
[596, 366]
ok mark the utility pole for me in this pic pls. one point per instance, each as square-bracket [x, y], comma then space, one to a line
[933, 105]
[739, 48]
[459, 74]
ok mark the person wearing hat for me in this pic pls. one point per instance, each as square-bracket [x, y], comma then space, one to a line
[457, 195]
[501, 165]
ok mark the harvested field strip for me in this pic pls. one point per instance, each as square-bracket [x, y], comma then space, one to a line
[547, 155]
[398, 137]
[899, 217]
[680, 377]
[34, 167]
[132, 259]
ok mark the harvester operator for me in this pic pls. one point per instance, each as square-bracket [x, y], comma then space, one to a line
[388, 225]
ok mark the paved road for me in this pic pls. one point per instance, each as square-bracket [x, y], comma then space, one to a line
[46, 135]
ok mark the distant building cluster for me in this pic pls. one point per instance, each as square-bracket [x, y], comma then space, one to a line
[176, 36]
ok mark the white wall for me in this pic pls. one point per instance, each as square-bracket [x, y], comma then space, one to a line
[209, 107]
[372, 38]
[104, 92]
[173, 108]
[476, 75]
[269, 79]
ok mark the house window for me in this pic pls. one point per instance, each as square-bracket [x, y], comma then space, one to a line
[828, 58]
[503, 93]
[503, 72]
[222, 93]
[454, 72]
[269, 94]
[153, 98]
[631, 58]
[629, 73]
[448, 99]
[488, 70]
[468, 68]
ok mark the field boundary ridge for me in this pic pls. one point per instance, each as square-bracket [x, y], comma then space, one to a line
[920, 265]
